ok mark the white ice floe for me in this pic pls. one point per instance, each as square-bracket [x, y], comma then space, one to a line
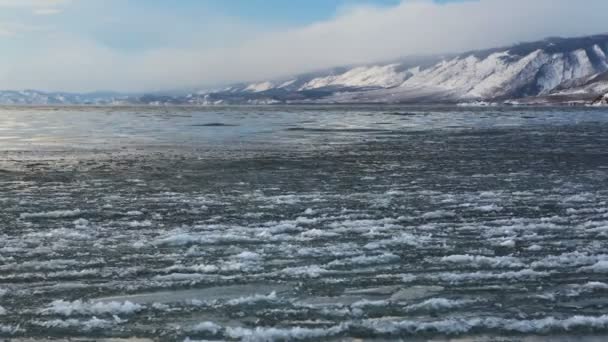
[244, 262]
[207, 327]
[489, 208]
[187, 277]
[437, 304]
[483, 261]
[83, 325]
[593, 286]
[2, 311]
[140, 224]
[10, 329]
[79, 307]
[333, 249]
[61, 233]
[262, 334]
[138, 244]
[369, 303]
[439, 214]
[81, 223]
[199, 268]
[161, 307]
[318, 233]
[58, 264]
[477, 104]
[508, 243]
[248, 256]
[67, 274]
[312, 271]
[51, 214]
[599, 267]
[573, 259]
[494, 324]
[535, 248]
[272, 297]
[309, 212]
[180, 238]
[451, 327]
[364, 260]
[479, 276]
[403, 239]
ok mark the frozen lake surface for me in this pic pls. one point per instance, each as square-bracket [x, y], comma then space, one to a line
[318, 223]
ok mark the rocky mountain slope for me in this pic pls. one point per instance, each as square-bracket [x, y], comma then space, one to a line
[551, 71]
[584, 90]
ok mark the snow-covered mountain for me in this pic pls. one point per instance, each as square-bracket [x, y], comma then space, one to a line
[34, 97]
[601, 100]
[554, 70]
[584, 90]
[538, 69]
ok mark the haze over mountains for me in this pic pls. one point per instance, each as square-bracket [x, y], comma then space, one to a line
[551, 71]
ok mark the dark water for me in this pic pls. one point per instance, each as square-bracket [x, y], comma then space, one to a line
[322, 223]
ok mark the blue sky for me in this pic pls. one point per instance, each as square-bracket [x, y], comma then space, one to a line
[142, 45]
[143, 24]
[282, 11]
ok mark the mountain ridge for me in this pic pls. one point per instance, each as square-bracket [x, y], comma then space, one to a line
[550, 71]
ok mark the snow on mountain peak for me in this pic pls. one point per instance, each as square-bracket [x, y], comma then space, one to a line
[259, 87]
[287, 83]
[386, 76]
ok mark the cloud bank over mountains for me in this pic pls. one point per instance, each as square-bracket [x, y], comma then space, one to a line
[64, 60]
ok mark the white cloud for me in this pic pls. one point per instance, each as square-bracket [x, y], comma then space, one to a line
[37, 7]
[47, 11]
[15, 29]
[359, 35]
[32, 3]
[6, 32]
